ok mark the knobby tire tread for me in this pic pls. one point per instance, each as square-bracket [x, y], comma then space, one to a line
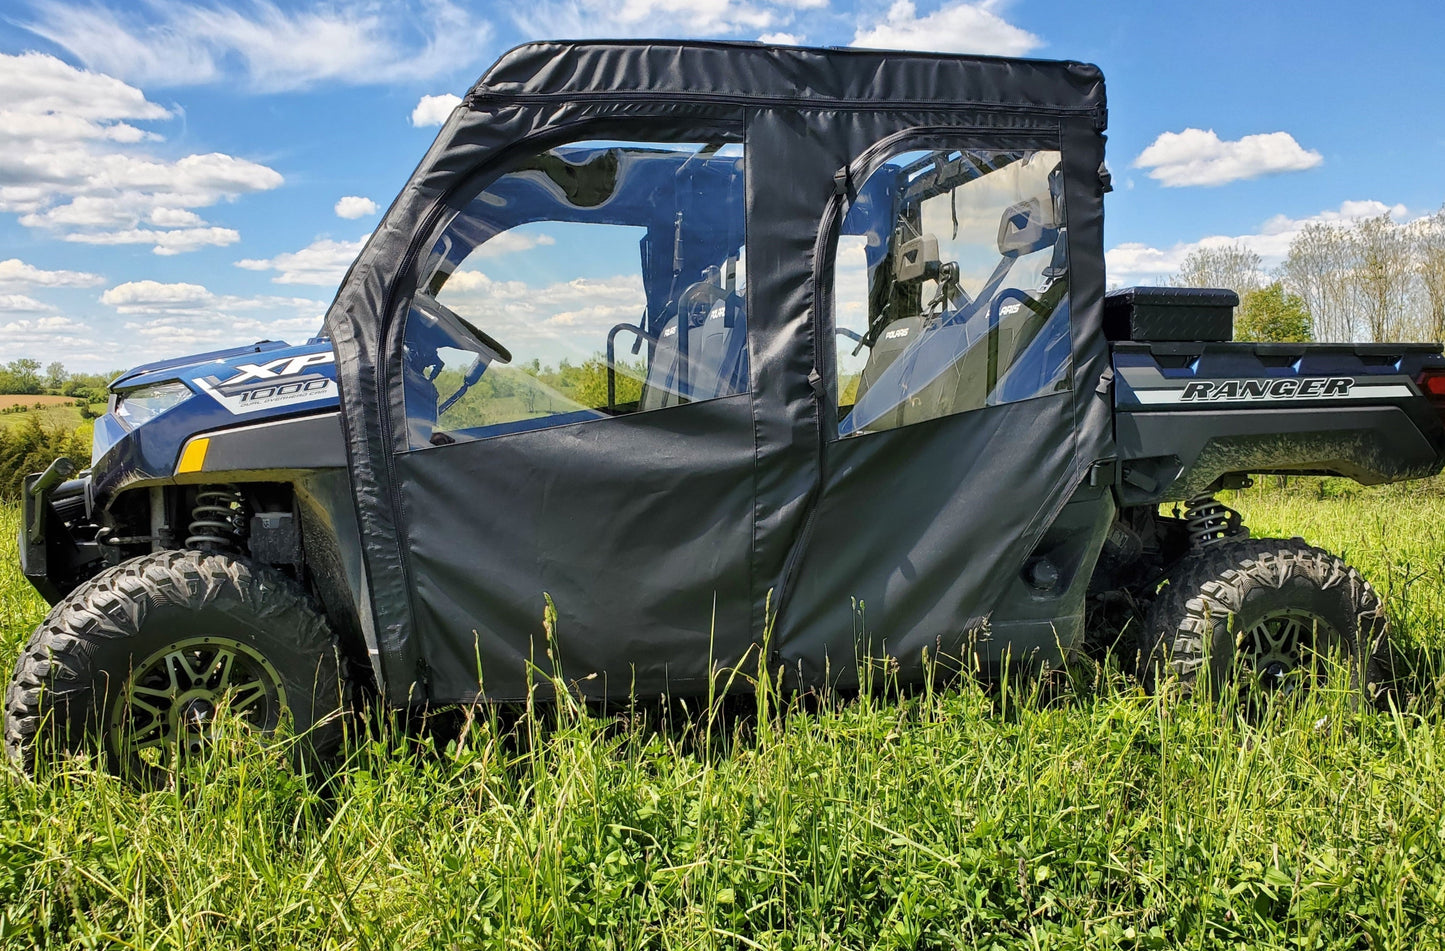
[111, 605]
[1209, 587]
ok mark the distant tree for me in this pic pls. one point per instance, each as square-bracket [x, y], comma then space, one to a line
[1318, 269]
[1429, 248]
[91, 387]
[21, 376]
[1233, 266]
[55, 375]
[1381, 277]
[1272, 314]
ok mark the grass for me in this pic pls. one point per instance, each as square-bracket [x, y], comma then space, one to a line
[55, 411]
[966, 818]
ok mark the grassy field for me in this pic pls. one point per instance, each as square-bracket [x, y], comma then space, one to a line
[967, 818]
[54, 411]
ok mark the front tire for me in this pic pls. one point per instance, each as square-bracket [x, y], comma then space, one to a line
[1267, 611]
[135, 663]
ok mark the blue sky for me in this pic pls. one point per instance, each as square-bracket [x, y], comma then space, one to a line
[170, 172]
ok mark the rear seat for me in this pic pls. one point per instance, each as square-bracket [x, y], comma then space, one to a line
[716, 354]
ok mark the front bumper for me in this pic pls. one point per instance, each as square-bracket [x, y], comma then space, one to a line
[55, 552]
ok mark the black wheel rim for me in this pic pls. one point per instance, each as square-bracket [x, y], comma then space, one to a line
[1285, 652]
[170, 703]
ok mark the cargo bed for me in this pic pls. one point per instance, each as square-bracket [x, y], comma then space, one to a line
[1188, 414]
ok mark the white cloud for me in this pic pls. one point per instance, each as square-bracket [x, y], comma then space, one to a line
[185, 316]
[434, 110]
[568, 318]
[16, 273]
[21, 304]
[174, 218]
[354, 206]
[141, 296]
[321, 263]
[1199, 157]
[69, 165]
[510, 242]
[275, 47]
[959, 27]
[36, 84]
[1137, 263]
[324, 262]
[177, 241]
[45, 336]
[780, 39]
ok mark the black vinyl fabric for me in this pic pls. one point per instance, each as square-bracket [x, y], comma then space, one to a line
[666, 538]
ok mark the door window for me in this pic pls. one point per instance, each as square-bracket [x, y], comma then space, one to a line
[950, 287]
[597, 279]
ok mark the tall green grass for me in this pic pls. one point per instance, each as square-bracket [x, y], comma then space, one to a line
[1088, 816]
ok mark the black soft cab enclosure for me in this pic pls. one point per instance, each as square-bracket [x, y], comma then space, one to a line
[719, 344]
[740, 354]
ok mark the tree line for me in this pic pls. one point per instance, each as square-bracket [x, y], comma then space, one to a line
[1373, 279]
[25, 377]
[31, 445]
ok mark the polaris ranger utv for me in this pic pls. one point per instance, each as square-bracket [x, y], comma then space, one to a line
[728, 348]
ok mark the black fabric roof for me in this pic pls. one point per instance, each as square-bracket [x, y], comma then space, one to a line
[753, 71]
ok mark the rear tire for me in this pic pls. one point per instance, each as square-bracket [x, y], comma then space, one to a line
[1268, 609]
[134, 663]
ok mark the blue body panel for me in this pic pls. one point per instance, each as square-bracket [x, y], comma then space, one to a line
[162, 370]
[266, 381]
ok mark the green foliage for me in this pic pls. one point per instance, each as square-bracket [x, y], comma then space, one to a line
[31, 446]
[21, 377]
[1271, 314]
[1088, 817]
[508, 393]
[91, 387]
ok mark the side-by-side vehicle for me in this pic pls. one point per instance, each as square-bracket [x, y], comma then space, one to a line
[727, 348]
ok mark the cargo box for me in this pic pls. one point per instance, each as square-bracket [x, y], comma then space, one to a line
[1170, 313]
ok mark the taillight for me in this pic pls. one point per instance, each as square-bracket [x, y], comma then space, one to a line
[1432, 383]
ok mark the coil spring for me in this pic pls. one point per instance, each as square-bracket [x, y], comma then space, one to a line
[1211, 522]
[217, 519]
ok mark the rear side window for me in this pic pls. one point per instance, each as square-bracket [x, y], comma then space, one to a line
[950, 287]
[597, 279]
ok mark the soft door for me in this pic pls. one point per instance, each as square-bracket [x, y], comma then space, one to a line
[578, 422]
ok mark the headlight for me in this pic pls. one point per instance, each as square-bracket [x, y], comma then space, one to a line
[148, 402]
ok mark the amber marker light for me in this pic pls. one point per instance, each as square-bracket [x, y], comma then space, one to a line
[193, 457]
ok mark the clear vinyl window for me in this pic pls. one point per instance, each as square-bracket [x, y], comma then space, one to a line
[598, 279]
[950, 287]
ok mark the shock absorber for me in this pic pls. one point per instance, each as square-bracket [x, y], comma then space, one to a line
[218, 520]
[1211, 522]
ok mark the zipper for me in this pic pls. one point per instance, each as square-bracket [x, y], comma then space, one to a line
[479, 97]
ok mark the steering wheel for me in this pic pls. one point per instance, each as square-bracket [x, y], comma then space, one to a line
[447, 319]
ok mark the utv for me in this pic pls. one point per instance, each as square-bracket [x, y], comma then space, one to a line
[727, 348]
